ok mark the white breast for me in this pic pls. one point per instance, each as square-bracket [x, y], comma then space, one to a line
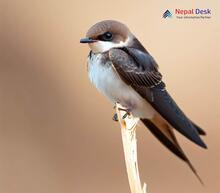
[108, 82]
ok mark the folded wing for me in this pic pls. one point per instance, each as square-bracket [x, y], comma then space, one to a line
[139, 70]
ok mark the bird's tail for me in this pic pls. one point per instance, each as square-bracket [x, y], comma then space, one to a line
[165, 134]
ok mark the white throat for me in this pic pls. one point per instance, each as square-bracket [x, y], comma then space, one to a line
[104, 46]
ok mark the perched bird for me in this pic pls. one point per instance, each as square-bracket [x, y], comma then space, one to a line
[124, 71]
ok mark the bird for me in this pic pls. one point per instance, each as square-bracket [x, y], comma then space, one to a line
[122, 69]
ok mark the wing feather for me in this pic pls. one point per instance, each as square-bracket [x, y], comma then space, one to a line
[136, 67]
[139, 70]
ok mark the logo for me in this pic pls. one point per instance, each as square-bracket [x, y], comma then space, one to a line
[193, 13]
[167, 13]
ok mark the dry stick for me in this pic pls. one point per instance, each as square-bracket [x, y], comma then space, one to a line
[128, 131]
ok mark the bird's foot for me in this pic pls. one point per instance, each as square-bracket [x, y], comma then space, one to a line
[127, 113]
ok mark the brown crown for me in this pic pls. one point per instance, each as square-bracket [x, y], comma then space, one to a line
[108, 25]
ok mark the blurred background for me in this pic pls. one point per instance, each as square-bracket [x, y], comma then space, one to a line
[56, 130]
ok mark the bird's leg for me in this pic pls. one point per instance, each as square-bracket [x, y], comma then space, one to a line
[115, 116]
[128, 112]
[125, 115]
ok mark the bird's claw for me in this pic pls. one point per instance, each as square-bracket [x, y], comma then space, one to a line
[115, 116]
[125, 115]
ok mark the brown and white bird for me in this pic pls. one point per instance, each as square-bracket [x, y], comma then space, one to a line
[124, 71]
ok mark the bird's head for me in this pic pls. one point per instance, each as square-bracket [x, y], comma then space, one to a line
[107, 34]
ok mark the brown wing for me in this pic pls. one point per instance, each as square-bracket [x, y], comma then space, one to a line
[139, 70]
[135, 67]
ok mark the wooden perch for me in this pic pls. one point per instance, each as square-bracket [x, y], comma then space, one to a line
[128, 131]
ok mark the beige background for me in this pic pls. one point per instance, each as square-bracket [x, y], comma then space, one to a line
[56, 132]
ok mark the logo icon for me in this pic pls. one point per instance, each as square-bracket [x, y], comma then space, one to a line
[167, 13]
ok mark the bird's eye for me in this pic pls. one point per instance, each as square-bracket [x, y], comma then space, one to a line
[106, 36]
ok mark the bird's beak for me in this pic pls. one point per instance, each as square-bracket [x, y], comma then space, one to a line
[87, 40]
